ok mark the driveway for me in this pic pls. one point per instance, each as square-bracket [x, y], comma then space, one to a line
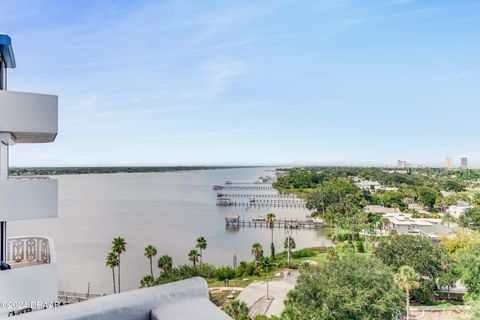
[254, 295]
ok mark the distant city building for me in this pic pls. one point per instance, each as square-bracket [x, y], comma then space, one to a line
[464, 163]
[401, 164]
[448, 163]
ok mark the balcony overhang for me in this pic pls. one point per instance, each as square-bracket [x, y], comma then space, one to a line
[28, 199]
[30, 117]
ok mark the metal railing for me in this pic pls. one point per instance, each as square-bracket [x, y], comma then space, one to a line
[29, 250]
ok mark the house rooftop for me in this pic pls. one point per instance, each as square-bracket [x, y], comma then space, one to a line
[380, 209]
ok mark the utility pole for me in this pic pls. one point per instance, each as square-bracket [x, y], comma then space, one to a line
[288, 241]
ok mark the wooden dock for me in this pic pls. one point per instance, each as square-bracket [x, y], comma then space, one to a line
[260, 203]
[280, 223]
[255, 187]
[68, 297]
[255, 196]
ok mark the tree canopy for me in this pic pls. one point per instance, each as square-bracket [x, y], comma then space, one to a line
[421, 254]
[471, 218]
[353, 287]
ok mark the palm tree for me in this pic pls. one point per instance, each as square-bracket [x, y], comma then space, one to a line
[270, 222]
[193, 257]
[407, 279]
[111, 262]
[257, 251]
[448, 217]
[165, 263]
[119, 246]
[289, 244]
[150, 252]
[384, 222]
[147, 281]
[202, 245]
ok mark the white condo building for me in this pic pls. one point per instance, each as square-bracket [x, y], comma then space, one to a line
[29, 269]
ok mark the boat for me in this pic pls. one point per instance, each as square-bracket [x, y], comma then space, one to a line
[224, 202]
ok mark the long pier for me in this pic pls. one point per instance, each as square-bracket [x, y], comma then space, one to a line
[255, 196]
[292, 204]
[280, 223]
[245, 187]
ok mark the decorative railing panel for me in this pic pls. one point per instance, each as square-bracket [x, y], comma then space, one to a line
[28, 250]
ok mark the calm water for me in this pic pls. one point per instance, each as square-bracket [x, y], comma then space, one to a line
[167, 210]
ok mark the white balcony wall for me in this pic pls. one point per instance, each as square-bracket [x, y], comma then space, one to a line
[28, 285]
[30, 117]
[31, 285]
[27, 199]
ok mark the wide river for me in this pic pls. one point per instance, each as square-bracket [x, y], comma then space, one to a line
[167, 210]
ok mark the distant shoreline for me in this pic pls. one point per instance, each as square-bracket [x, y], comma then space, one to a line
[51, 171]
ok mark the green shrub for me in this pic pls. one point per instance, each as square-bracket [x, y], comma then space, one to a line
[223, 273]
[360, 246]
[304, 253]
[245, 269]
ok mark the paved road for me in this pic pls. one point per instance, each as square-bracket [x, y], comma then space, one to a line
[254, 295]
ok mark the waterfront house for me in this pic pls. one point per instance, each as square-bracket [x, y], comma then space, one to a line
[403, 223]
[29, 268]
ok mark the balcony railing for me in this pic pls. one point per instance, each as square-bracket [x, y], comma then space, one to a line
[34, 273]
[29, 251]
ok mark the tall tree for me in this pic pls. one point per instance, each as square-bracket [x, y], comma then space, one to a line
[150, 252]
[119, 246]
[271, 225]
[469, 264]
[471, 218]
[353, 287]
[424, 256]
[193, 257]
[201, 245]
[289, 244]
[407, 279]
[165, 264]
[112, 262]
[257, 251]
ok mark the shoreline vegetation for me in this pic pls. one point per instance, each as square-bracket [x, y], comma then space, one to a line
[51, 171]
[393, 270]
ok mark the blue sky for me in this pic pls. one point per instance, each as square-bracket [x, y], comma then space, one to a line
[250, 82]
